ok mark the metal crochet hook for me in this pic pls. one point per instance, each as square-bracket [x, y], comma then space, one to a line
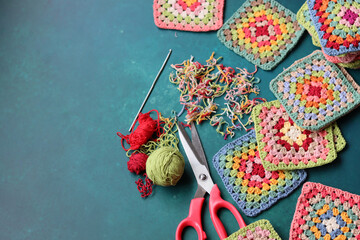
[150, 90]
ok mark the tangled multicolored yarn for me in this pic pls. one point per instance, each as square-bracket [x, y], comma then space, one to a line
[189, 15]
[200, 85]
[315, 92]
[261, 229]
[326, 213]
[262, 31]
[252, 187]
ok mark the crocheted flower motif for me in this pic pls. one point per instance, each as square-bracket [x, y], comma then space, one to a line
[251, 186]
[326, 213]
[315, 92]
[284, 145]
[262, 31]
[189, 15]
[337, 24]
[261, 229]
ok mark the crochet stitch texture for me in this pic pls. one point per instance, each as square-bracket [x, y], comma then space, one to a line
[303, 17]
[284, 145]
[261, 229]
[262, 31]
[339, 140]
[349, 60]
[337, 24]
[315, 92]
[189, 15]
[326, 213]
[252, 187]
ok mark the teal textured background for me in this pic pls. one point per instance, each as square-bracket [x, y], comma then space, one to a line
[72, 74]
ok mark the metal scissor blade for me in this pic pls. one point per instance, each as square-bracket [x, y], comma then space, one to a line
[195, 139]
[200, 171]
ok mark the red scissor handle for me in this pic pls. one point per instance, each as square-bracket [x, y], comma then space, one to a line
[216, 203]
[193, 220]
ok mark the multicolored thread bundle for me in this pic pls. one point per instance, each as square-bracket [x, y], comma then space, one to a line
[262, 31]
[334, 26]
[200, 85]
[189, 15]
[315, 92]
[283, 145]
[252, 187]
[261, 229]
[326, 213]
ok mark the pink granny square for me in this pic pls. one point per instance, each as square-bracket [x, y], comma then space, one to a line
[326, 213]
[189, 15]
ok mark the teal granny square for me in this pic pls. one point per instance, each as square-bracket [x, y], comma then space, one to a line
[262, 31]
[315, 92]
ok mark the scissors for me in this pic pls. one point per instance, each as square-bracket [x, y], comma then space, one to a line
[196, 156]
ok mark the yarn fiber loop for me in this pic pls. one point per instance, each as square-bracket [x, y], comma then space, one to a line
[165, 166]
[143, 133]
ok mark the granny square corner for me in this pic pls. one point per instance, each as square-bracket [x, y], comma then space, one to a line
[283, 145]
[324, 212]
[261, 31]
[315, 92]
[252, 187]
[261, 229]
[337, 24]
[189, 15]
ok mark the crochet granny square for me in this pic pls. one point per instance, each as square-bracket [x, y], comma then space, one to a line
[262, 31]
[261, 229]
[326, 213]
[189, 15]
[315, 92]
[284, 145]
[252, 187]
[337, 24]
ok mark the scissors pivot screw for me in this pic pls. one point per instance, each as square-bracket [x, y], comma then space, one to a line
[202, 176]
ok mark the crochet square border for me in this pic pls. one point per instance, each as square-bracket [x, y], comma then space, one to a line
[330, 91]
[303, 17]
[324, 212]
[334, 22]
[261, 31]
[253, 188]
[339, 140]
[261, 229]
[189, 15]
[294, 153]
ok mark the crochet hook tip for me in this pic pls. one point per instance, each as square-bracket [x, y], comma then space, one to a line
[150, 90]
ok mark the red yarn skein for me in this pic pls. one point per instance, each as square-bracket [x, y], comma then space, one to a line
[137, 163]
[141, 135]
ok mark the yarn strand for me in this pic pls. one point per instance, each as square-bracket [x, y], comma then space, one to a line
[200, 85]
[144, 189]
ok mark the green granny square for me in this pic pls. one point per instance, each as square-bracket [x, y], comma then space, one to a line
[262, 31]
[261, 229]
[283, 145]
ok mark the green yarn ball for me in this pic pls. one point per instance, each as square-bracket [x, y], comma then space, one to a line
[165, 166]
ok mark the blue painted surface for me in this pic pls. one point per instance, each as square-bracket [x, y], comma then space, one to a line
[72, 74]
